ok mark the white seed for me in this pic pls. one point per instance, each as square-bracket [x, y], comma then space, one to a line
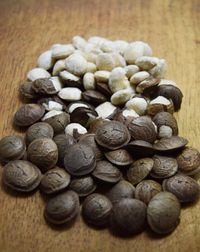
[167, 82]
[138, 104]
[58, 67]
[56, 83]
[159, 70]
[37, 73]
[160, 100]
[102, 76]
[118, 80]
[138, 77]
[76, 64]
[79, 42]
[75, 126]
[89, 81]
[70, 94]
[165, 132]
[90, 57]
[105, 61]
[45, 60]
[119, 60]
[135, 50]
[129, 112]
[131, 70]
[77, 105]
[120, 46]
[105, 109]
[132, 90]
[52, 105]
[96, 40]
[108, 46]
[91, 67]
[54, 46]
[121, 97]
[146, 62]
[51, 114]
[62, 51]
[92, 48]
[65, 75]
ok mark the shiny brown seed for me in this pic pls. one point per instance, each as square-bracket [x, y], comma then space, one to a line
[146, 190]
[83, 116]
[107, 172]
[167, 119]
[54, 180]
[83, 186]
[163, 213]
[26, 90]
[128, 216]
[164, 167]
[139, 170]
[140, 148]
[112, 135]
[79, 159]
[183, 187]
[44, 86]
[96, 209]
[93, 97]
[62, 208]
[21, 175]
[119, 157]
[103, 88]
[28, 114]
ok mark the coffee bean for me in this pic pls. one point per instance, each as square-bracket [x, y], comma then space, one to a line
[140, 149]
[83, 186]
[119, 157]
[93, 97]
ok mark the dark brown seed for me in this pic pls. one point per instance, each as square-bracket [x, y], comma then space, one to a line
[54, 180]
[163, 213]
[62, 208]
[79, 159]
[123, 189]
[21, 175]
[189, 161]
[70, 82]
[26, 90]
[94, 125]
[146, 190]
[118, 116]
[139, 170]
[43, 152]
[169, 145]
[59, 122]
[128, 216]
[63, 141]
[83, 186]
[28, 114]
[148, 87]
[44, 86]
[167, 119]
[103, 88]
[88, 139]
[153, 109]
[11, 148]
[83, 116]
[164, 167]
[112, 135]
[38, 130]
[96, 209]
[173, 93]
[183, 187]
[119, 157]
[140, 148]
[80, 104]
[107, 172]
[142, 128]
[93, 97]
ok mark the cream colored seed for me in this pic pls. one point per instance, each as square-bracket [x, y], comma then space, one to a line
[129, 112]
[165, 132]
[76, 64]
[167, 82]
[105, 109]
[119, 60]
[51, 114]
[37, 73]
[120, 97]
[65, 75]
[62, 51]
[139, 105]
[118, 80]
[146, 62]
[138, 77]
[105, 61]
[52, 105]
[70, 128]
[58, 67]
[45, 60]
[91, 67]
[160, 100]
[56, 83]
[89, 81]
[102, 76]
[159, 70]
[70, 94]
[120, 46]
[79, 42]
[131, 70]
[77, 105]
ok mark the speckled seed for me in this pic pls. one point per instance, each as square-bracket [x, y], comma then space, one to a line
[37, 73]
[163, 213]
[83, 186]
[119, 157]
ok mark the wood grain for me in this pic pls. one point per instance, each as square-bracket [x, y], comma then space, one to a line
[27, 28]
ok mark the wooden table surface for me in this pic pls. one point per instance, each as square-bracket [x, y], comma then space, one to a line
[27, 28]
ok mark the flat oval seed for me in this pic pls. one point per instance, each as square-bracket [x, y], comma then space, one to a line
[119, 157]
[83, 186]
[140, 148]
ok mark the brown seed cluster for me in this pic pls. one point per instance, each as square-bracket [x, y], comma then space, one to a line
[100, 127]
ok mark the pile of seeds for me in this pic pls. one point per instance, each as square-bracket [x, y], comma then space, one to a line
[100, 127]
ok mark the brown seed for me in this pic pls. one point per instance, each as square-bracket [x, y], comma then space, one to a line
[163, 213]
[153, 109]
[44, 86]
[146, 190]
[21, 175]
[123, 189]
[139, 170]
[83, 186]
[96, 209]
[112, 135]
[45, 101]
[89, 139]
[83, 116]
[62, 208]
[28, 114]
[183, 187]
[118, 116]
[189, 161]
[148, 86]
[169, 145]
[94, 125]
[54, 180]
[142, 128]
[128, 216]
[164, 167]
[11, 148]
[26, 90]
[38, 130]
[93, 97]
[140, 148]
[119, 157]
[79, 104]
[79, 159]
[103, 88]
[43, 152]
[107, 172]
[63, 141]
